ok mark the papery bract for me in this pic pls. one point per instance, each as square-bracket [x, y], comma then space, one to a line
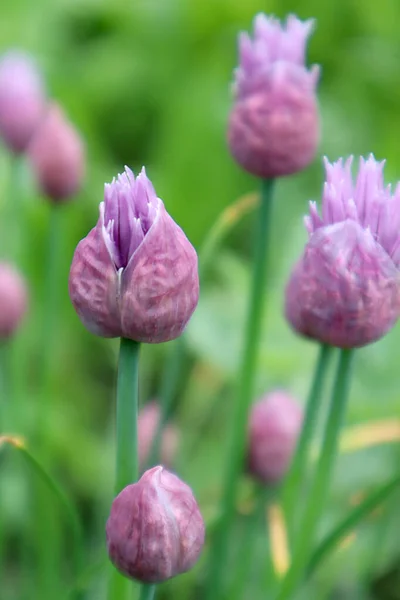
[155, 530]
[274, 124]
[135, 274]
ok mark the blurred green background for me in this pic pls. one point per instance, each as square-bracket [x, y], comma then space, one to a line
[148, 82]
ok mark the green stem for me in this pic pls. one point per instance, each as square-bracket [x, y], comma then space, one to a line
[245, 391]
[319, 488]
[352, 520]
[127, 467]
[147, 592]
[298, 469]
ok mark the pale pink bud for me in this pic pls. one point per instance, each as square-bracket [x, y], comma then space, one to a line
[274, 426]
[135, 274]
[274, 124]
[345, 290]
[13, 300]
[57, 156]
[22, 99]
[155, 530]
[148, 420]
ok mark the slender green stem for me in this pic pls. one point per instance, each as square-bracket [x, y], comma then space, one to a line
[319, 488]
[127, 467]
[352, 520]
[147, 592]
[297, 473]
[245, 391]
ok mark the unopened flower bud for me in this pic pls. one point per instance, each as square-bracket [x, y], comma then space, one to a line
[274, 124]
[274, 426]
[57, 156]
[135, 274]
[22, 99]
[13, 300]
[148, 421]
[155, 530]
[345, 290]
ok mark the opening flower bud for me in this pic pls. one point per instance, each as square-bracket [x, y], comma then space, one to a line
[274, 426]
[148, 420]
[135, 274]
[13, 300]
[345, 290]
[22, 99]
[274, 124]
[155, 530]
[57, 156]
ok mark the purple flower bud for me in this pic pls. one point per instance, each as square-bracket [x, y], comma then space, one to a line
[345, 290]
[155, 530]
[135, 274]
[148, 420]
[22, 99]
[13, 300]
[274, 426]
[57, 156]
[274, 125]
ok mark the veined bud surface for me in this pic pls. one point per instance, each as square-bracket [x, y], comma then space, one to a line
[155, 530]
[345, 289]
[22, 99]
[13, 300]
[57, 156]
[274, 426]
[135, 274]
[274, 124]
[148, 421]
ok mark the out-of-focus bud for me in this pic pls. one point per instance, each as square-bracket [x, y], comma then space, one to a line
[135, 274]
[13, 300]
[345, 290]
[274, 124]
[57, 156]
[22, 99]
[148, 420]
[274, 426]
[155, 530]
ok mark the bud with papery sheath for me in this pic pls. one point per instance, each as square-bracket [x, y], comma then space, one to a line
[135, 274]
[13, 300]
[345, 289]
[274, 124]
[57, 156]
[274, 426]
[22, 99]
[155, 530]
[148, 420]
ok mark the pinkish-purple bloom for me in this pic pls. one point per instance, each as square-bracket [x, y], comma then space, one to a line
[345, 290]
[274, 124]
[13, 300]
[155, 530]
[135, 274]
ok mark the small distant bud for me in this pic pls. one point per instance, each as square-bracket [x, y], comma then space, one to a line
[148, 420]
[22, 99]
[57, 156]
[135, 274]
[274, 426]
[274, 124]
[345, 290]
[155, 530]
[13, 300]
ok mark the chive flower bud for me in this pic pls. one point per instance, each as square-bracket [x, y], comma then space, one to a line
[274, 426]
[345, 289]
[22, 99]
[155, 530]
[148, 421]
[57, 156]
[13, 300]
[274, 124]
[135, 274]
